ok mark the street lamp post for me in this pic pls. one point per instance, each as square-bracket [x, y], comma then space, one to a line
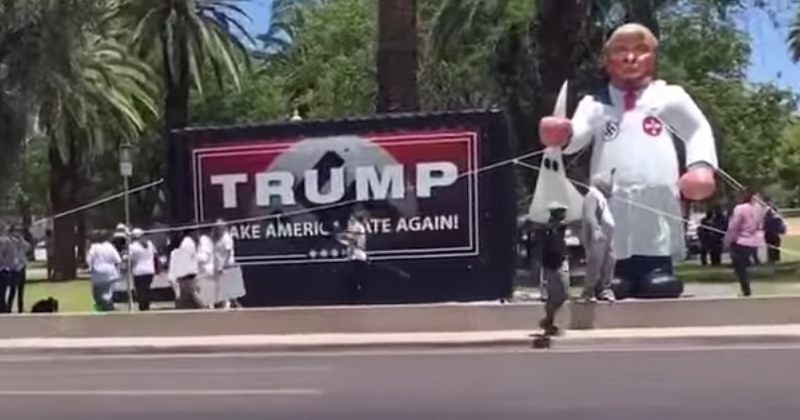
[126, 170]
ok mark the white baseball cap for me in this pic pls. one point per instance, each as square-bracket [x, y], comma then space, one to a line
[137, 233]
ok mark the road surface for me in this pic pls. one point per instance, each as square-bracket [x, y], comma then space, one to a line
[734, 383]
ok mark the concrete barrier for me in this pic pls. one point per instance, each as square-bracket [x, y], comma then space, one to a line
[688, 313]
[405, 318]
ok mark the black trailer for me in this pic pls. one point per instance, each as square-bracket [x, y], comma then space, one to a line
[442, 203]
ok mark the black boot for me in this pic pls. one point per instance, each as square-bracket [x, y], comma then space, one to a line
[661, 286]
[621, 288]
[659, 281]
[549, 328]
[651, 277]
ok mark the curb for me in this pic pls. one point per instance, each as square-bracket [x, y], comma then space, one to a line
[403, 319]
[518, 343]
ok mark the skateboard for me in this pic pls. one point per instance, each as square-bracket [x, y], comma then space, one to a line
[542, 341]
[544, 338]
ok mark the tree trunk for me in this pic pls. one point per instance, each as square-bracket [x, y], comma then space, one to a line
[63, 193]
[397, 56]
[558, 29]
[643, 12]
[176, 116]
[81, 238]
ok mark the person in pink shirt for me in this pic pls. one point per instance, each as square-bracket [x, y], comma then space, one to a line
[744, 236]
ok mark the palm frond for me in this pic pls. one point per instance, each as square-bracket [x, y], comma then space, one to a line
[196, 34]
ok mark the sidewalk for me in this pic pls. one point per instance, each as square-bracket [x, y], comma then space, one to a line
[328, 342]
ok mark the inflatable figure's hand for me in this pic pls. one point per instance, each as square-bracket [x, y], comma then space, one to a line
[555, 131]
[697, 183]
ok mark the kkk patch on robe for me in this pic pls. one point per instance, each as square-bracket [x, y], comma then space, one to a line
[652, 126]
[610, 130]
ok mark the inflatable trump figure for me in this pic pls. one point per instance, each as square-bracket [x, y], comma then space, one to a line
[660, 148]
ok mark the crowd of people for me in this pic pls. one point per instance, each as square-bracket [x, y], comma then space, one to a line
[204, 254]
[712, 229]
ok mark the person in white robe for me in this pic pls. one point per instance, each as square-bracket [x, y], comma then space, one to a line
[225, 265]
[660, 145]
[184, 269]
[143, 256]
[103, 261]
[598, 240]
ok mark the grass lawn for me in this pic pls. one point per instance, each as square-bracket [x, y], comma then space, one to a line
[787, 271]
[704, 290]
[73, 296]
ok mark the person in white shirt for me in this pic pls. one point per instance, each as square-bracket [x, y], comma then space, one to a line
[143, 264]
[598, 240]
[660, 145]
[205, 255]
[355, 238]
[103, 261]
[223, 256]
[223, 247]
[188, 293]
[205, 263]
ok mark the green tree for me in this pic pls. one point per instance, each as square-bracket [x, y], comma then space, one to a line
[18, 20]
[324, 61]
[183, 38]
[706, 52]
[261, 99]
[788, 164]
[329, 69]
[82, 87]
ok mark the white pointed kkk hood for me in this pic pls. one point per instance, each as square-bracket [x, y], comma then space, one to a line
[552, 185]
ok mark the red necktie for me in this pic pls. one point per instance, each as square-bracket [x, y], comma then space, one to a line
[629, 100]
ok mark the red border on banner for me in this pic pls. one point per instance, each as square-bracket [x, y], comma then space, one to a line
[250, 147]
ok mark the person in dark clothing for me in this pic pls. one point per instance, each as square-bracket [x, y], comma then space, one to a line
[774, 228]
[18, 273]
[711, 231]
[554, 267]
[50, 250]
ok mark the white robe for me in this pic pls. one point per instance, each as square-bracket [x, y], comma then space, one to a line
[638, 145]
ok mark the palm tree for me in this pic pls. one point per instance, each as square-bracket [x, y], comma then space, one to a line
[107, 102]
[285, 17]
[397, 58]
[793, 38]
[183, 38]
[16, 21]
[82, 87]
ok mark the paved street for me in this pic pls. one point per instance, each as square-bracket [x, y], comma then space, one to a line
[734, 384]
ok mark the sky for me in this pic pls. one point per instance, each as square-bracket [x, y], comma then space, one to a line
[770, 61]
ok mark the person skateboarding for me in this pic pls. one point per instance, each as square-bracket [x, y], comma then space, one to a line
[555, 269]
